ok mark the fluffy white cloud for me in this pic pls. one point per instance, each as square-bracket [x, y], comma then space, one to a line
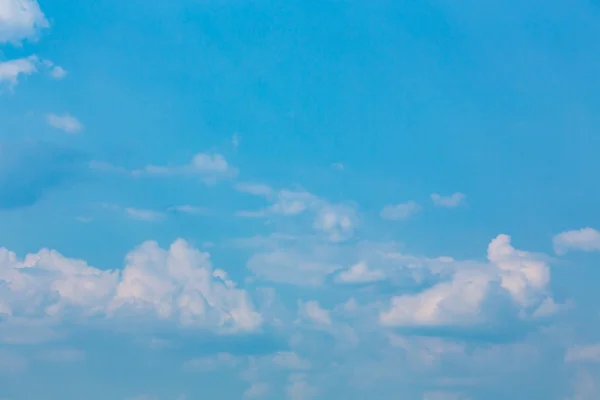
[460, 301]
[179, 282]
[586, 239]
[12, 70]
[312, 312]
[360, 273]
[170, 284]
[399, 212]
[451, 201]
[337, 222]
[20, 19]
[65, 122]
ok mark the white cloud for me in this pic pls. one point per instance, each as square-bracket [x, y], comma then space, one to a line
[585, 354]
[311, 311]
[522, 274]
[399, 212]
[11, 70]
[586, 239]
[360, 273]
[209, 167]
[58, 72]
[19, 20]
[337, 222]
[175, 284]
[451, 201]
[65, 122]
[284, 202]
[256, 391]
[459, 301]
[144, 215]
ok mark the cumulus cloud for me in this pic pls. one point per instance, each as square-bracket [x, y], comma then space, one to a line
[399, 212]
[19, 20]
[586, 239]
[65, 122]
[312, 312]
[12, 70]
[521, 275]
[174, 284]
[452, 201]
[360, 273]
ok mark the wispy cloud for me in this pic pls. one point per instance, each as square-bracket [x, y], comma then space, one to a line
[65, 122]
[452, 201]
[208, 167]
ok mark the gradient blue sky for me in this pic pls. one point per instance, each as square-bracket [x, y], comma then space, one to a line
[234, 199]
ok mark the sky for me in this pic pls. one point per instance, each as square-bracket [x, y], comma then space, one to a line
[303, 199]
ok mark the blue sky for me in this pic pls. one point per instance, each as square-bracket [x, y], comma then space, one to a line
[299, 200]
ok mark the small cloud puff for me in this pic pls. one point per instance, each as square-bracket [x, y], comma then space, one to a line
[360, 273]
[65, 122]
[451, 201]
[399, 212]
[586, 239]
